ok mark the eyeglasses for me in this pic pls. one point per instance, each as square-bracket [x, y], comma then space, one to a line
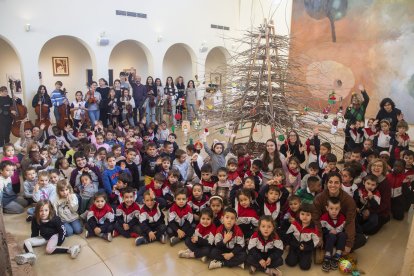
[377, 166]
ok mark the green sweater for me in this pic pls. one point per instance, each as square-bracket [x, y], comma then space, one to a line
[305, 195]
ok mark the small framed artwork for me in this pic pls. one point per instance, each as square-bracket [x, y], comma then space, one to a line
[60, 66]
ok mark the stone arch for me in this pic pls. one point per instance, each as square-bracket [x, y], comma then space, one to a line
[179, 60]
[80, 57]
[131, 53]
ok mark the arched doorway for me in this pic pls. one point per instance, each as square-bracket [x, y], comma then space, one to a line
[131, 53]
[10, 66]
[179, 60]
[216, 66]
[74, 74]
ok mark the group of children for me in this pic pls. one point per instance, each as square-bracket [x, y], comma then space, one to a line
[221, 207]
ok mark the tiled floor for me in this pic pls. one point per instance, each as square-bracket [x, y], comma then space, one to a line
[383, 255]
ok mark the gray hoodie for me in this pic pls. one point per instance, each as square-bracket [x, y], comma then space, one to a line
[47, 192]
[67, 209]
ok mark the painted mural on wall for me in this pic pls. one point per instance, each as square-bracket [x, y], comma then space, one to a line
[343, 43]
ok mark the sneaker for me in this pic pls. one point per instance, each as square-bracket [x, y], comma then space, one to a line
[241, 266]
[252, 269]
[185, 254]
[27, 258]
[74, 251]
[87, 234]
[334, 262]
[29, 218]
[326, 265]
[163, 239]
[174, 240]
[204, 259]
[115, 234]
[215, 264]
[107, 236]
[140, 241]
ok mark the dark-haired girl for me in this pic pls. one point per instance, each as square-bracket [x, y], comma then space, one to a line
[389, 112]
[265, 249]
[171, 92]
[42, 98]
[271, 159]
[152, 99]
[103, 89]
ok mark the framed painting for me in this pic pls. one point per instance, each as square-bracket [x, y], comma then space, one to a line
[60, 66]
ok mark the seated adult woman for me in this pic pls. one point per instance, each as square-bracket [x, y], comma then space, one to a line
[271, 159]
[294, 146]
[348, 208]
[378, 167]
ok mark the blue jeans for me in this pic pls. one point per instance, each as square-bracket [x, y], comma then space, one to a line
[56, 112]
[150, 114]
[73, 227]
[94, 116]
[190, 114]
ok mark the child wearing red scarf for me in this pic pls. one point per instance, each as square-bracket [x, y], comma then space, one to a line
[180, 218]
[197, 200]
[127, 215]
[265, 249]
[100, 218]
[302, 236]
[292, 172]
[247, 217]
[201, 243]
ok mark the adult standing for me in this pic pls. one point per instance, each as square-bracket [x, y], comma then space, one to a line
[271, 159]
[5, 117]
[160, 100]
[348, 208]
[93, 99]
[171, 93]
[389, 112]
[190, 99]
[378, 167]
[152, 100]
[355, 112]
[139, 94]
[103, 89]
[294, 146]
[180, 97]
[42, 98]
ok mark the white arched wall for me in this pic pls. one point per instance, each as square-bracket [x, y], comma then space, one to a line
[79, 61]
[9, 63]
[131, 53]
[179, 60]
[216, 62]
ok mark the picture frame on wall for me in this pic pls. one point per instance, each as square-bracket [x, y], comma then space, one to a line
[60, 66]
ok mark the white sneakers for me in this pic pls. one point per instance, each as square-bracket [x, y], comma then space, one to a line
[215, 264]
[26, 258]
[186, 254]
[74, 251]
[30, 258]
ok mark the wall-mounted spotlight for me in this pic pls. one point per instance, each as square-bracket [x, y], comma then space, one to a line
[203, 47]
[27, 27]
[103, 40]
[159, 38]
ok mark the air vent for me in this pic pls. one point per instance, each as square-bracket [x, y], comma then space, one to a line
[213, 26]
[131, 14]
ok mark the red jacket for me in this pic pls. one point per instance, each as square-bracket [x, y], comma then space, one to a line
[243, 165]
[395, 181]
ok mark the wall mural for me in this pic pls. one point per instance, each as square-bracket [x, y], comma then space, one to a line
[343, 43]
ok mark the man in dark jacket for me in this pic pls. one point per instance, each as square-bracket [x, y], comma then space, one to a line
[139, 94]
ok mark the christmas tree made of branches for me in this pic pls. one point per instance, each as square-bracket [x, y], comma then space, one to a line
[264, 91]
